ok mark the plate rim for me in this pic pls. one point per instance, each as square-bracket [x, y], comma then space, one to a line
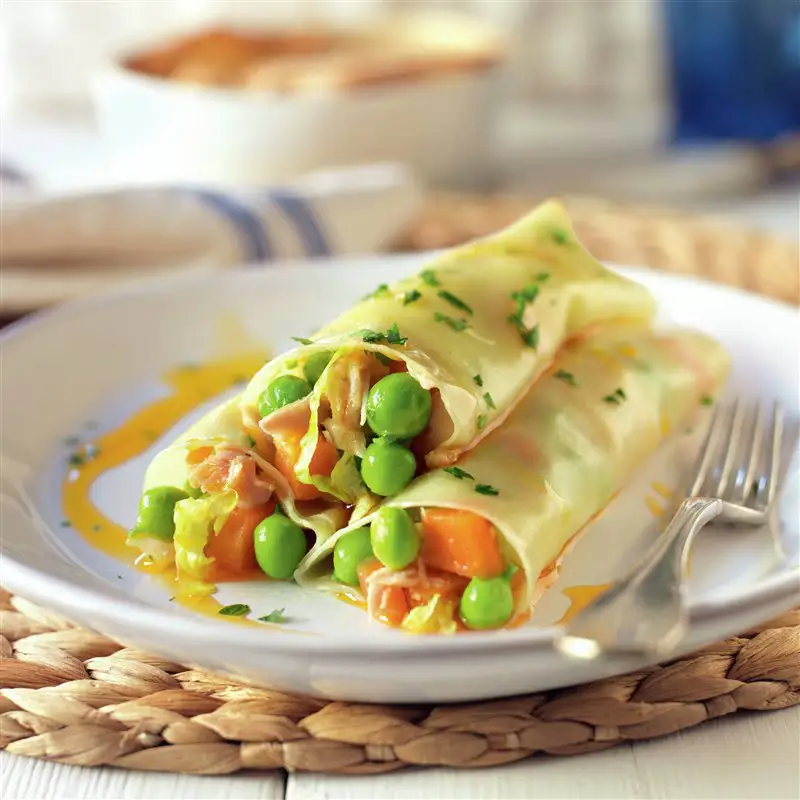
[34, 585]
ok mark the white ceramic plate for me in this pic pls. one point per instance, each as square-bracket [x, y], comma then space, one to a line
[100, 359]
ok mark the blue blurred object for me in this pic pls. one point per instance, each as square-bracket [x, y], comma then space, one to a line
[735, 68]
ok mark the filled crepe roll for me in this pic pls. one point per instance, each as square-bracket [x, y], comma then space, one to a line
[412, 376]
[473, 545]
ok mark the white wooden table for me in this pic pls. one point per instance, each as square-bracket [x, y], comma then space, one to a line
[744, 756]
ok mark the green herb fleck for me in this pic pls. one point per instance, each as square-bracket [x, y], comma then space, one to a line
[542, 277]
[384, 359]
[172, 599]
[150, 435]
[65, 523]
[76, 459]
[371, 337]
[565, 376]
[275, 616]
[485, 488]
[393, 335]
[456, 324]
[528, 293]
[478, 380]
[251, 441]
[97, 527]
[456, 302]
[531, 337]
[411, 297]
[235, 610]
[429, 276]
[482, 420]
[119, 577]
[706, 400]
[560, 236]
[616, 398]
[300, 340]
[382, 290]
[459, 473]
[489, 400]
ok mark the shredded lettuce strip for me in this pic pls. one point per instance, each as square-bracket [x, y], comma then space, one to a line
[195, 520]
[436, 616]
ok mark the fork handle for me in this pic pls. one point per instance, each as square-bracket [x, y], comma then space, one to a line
[645, 612]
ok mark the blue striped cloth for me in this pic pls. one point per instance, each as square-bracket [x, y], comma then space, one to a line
[351, 211]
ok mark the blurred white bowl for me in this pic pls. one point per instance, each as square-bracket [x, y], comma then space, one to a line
[161, 129]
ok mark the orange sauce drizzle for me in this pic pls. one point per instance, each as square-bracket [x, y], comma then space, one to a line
[580, 597]
[189, 386]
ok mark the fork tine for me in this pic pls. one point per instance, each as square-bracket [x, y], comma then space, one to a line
[732, 448]
[708, 450]
[771, 484]
[746, 487]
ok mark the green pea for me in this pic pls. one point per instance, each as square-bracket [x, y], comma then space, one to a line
[156, 511]
[350, 551]
[315, 365]
[394, 538]
[487, 603]
[281, 392]
[398, 406]
[387, 467]
[280, 545]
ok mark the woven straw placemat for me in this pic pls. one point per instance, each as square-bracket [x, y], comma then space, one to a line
[71, 695]
[74, 696]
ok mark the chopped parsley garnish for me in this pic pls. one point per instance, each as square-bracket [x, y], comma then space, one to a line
[567, 377]
[542, 277]
[411, 297]
[65, 523]
[528, 293]
[429, 276]
[485, 488]
[478, 380]
[531, 337]
[235, 610]
[76, 459]
[371, 337]
[393, 335]
[521, 299]
[489, 400]
[276, 616]
[616, 398]
[251, 441]
[457, 302]
[385, 360]
[459, 473]
[301, 340]
[455, 324]
[706, 400]
[482, 420]
[560, 236]
[382, 290]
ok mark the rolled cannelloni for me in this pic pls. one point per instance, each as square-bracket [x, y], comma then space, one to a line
[410, 378]
[472, 545]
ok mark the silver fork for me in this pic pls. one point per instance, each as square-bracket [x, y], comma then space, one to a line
[735, 480]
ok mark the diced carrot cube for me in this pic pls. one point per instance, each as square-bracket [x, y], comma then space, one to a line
[460, 542]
